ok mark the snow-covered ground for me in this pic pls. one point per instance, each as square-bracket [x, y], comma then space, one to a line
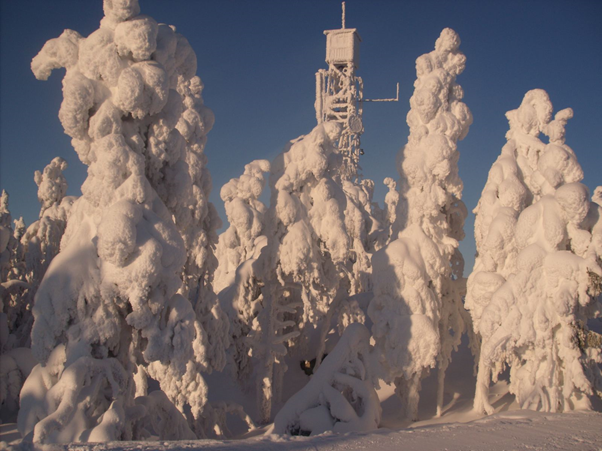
[509, 430]
[459, 427]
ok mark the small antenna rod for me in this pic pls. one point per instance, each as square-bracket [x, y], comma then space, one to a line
[343, 15]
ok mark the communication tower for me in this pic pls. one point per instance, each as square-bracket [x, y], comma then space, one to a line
[340, 93]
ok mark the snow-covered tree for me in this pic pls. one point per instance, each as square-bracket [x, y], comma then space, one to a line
[13, 286]
[417, 312]
[536, 278]
[42, 239]
[125, 297]
[240, 272]
[245, 238]
[317, 234]
[15, 361]
[307, 244]
[32, 250]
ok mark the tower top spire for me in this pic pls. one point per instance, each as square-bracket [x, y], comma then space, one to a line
[343, 16]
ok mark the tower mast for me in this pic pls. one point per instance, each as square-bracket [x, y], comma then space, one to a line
[340, 92]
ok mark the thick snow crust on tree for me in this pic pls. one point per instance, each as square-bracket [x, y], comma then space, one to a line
[16, 361]
[302, 277]
[31, 251]
[130, 292]
[536, 279]
[417, 311]
[291, 268]
[246, 214]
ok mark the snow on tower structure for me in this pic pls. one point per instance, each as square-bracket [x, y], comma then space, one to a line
[339, 92]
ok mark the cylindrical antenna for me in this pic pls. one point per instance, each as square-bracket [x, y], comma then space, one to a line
[343, 14]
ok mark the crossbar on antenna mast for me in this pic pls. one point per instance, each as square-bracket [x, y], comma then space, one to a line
[396, 99]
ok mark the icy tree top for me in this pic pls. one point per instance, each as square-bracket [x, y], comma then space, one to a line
[5, 221]
[117, 11]
[544, 166]
[526, 170]
[244, 210]
[430, 184]
[597, 197]
[245, 214]
[52, 185]
[435, 105]
[4, 202]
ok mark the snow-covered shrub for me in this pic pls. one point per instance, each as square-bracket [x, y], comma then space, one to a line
[536, 278]
[130, 292]
[417, 312]
[164, 420]
[340, 396]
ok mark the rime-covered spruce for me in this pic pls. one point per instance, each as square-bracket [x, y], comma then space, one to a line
[130, 294]
[537, 277]
[417, 312]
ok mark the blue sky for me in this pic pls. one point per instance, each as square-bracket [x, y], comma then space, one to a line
[258, 58]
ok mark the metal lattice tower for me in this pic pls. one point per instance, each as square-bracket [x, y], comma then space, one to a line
[339, 92]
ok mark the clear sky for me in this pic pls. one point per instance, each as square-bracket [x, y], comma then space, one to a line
[258, 58]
